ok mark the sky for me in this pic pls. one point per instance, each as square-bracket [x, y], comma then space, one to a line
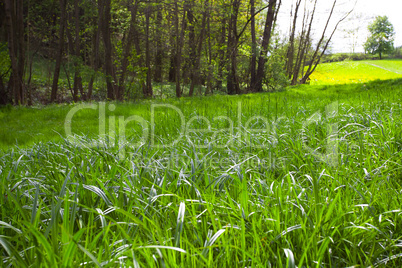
[363, 14]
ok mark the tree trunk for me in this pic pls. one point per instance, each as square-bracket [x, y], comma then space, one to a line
[148, 89]
[77, 77]
[127, 50]
[195, 77]
[192, 46]
[111, 94]
[315, 60]
[253, 64]
[179, 42]
[95, 51]
[16, 47]
[232, 83]
[159, 48]
[265, 42]
[290, 52]
[59, 57]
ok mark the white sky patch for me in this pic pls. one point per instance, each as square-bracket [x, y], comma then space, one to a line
[364, 13]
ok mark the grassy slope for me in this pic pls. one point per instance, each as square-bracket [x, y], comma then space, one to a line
[241, 205]
[356, 72]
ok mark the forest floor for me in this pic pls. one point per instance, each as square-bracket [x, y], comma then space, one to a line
[310, 176]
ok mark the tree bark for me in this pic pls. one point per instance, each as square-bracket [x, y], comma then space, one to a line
[317, 56]
[127, 50]
[253, 64]
[111, 94]
[77, 77]
[159, 48]
[195, 77]
[148, 88]
[59, 57]
[16, 47]
[265, 42]
[179, 42]
[95, 51]
[232, 83]
[290, 51]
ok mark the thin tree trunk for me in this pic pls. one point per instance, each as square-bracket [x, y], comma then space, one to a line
[317, 57]
[159, 48]
[253, 64]
[232, 83]
[127, 50]
[148, 89]
[77, 77]
[179, 42]
[192, 47]
[95, 51]
[290, 52]
[15, 33]
[196, 64]
[265, 42]
[60, 51]
[108, 49]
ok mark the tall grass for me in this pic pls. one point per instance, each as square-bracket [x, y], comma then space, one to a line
[240, 205]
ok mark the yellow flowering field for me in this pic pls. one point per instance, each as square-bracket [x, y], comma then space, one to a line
[356, 72]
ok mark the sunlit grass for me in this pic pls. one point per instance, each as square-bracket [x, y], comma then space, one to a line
[356, 72]
[241, 205]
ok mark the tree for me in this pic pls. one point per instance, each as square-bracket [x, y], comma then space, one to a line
[381, 39]
[56, 74]
[306, 55]
[15, 32]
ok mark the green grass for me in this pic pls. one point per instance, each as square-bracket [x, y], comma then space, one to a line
[227, 203]
[347, 72]
[391, 65]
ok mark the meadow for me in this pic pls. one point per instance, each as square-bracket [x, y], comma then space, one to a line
[307, 177]
[346, 72]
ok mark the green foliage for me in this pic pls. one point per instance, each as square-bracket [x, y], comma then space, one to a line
[5, 61]
[276, 78]
[381, 39]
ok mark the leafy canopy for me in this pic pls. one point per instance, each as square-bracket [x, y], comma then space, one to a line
[381, 38]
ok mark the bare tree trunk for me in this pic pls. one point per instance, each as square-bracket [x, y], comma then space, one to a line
[253, 64]
[159, 48]
[315, 60]
[191, 44]
[265, 42]
[304, 45]
[127, 50]
[148, 89]
[197, 57]
[221, 54]
[95, 51]
[209, 53]
[179, 42]
[16, 47]
[232, 83]
[290, 52]
[77, 77]
[59, 57]
[108, 49]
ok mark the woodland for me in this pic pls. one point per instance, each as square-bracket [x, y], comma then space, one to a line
[123, 50]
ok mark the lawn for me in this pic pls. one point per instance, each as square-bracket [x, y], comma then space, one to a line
[347, 72]
[306, 177]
